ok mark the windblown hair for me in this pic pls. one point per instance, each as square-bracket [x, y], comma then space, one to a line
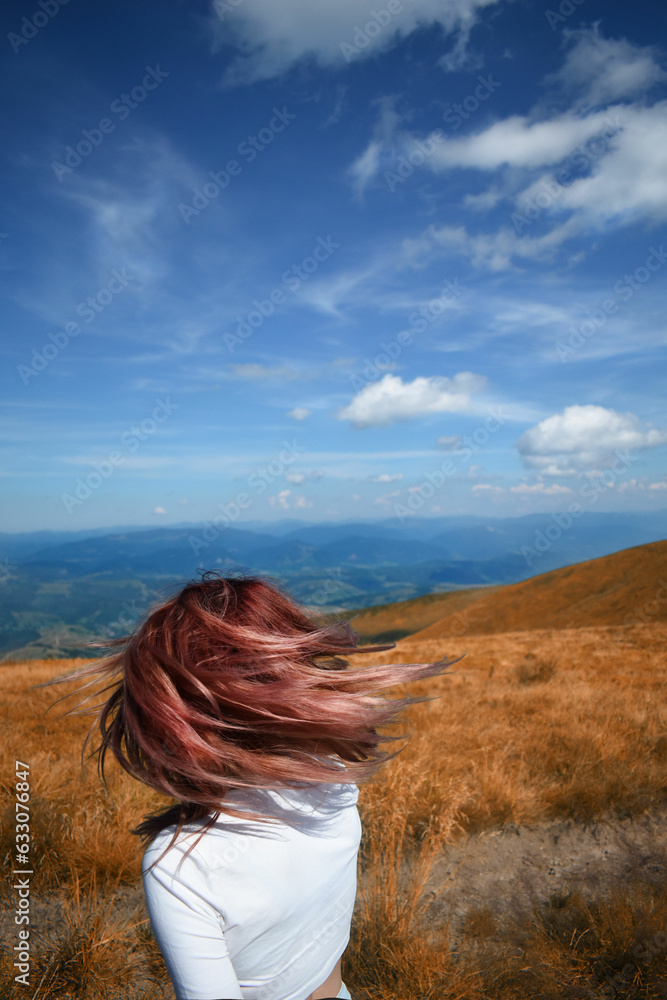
[231, 684]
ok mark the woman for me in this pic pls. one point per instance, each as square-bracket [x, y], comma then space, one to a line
[233, 700]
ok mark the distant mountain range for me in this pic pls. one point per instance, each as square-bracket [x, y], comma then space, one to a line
[60, 589]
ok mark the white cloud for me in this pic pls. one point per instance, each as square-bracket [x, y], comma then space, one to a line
[600, 142]
[484, 201]
[299, 478]
[272, 36]
[391, 399]
[387, 498]
[638, 152]
[281, 500]
[366, 166]
[583, 438]
[595, 198]
[519, 141]
[339, 107]
[542, 488]
[377, 284]
[302, 502]
[641, 485]
[126, 218]
[159, 510]
[494, 251]
[299, 413]
[328, 294]
[486, 488]
[606, 69]
[632, 486]
[461, 57]
[386, 478]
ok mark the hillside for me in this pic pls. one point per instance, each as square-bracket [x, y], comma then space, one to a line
[625, 588]
[391, 622]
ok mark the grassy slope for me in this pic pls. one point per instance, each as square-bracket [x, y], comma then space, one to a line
[390, 622]
[624, 588]
[534, 724]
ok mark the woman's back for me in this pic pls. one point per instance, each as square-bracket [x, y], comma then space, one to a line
[258, 911]
[228, 686]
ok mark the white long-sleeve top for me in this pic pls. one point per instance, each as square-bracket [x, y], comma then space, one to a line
[257, 911]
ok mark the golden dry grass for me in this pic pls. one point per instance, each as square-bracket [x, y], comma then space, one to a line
[530, 725]
[388, 622]
[624, 588]
[539, 724]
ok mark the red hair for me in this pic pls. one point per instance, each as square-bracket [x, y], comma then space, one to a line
[231, 684]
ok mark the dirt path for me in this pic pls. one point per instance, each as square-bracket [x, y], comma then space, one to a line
[508, 871]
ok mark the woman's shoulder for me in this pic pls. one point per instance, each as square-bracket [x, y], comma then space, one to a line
[317, 800]
[311, 808]
[165, 847]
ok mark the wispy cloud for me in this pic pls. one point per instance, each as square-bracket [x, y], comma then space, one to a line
[590, 150]
[273, 38]
[600, 70]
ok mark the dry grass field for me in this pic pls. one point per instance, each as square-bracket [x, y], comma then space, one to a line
[515, 848]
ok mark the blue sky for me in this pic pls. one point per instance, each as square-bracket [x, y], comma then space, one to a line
[304, 258]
